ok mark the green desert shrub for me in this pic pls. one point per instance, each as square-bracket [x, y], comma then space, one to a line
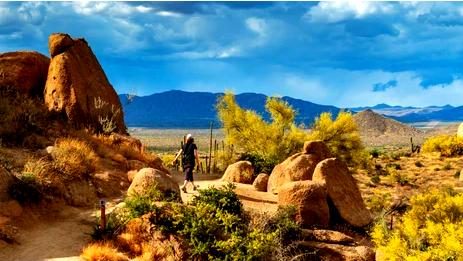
[342, 138]
[250, 133]
[446, 145]
[20, 115]
[224, 199]
[432, 229]
[260, 164]
[419, 164]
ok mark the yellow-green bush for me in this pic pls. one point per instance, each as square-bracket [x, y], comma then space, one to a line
[341, 136]
[249, 133]
[446, 145]
[432, 229]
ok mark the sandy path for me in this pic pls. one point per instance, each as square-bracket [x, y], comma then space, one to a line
[60, 239]
[251, 199]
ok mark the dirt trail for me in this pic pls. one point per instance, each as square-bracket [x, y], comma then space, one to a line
[251, 199]
[59, 239]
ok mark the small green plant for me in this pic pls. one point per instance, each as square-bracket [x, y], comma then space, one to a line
[26, 189]
[400, 179]
[419, 164]
[447, 166]
[224, 199]
[114, 227]
[457, 174]
[139, 205]
[376, 179]
[395, 156]
[395, 166]
[375, 153]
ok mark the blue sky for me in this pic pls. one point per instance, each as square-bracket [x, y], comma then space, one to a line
[348, 53]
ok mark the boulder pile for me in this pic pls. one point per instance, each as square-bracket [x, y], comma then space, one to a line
[320, 187]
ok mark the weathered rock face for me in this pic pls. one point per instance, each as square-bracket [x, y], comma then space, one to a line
[460, 131]
[24, 71]
[326, 236]
[309, 198]
[239, 172]
[6, 179]
[77, 86]
[328, 252]
[146, 178]
[316, 147]
[343, 191]
[299, 166]
[260, 183]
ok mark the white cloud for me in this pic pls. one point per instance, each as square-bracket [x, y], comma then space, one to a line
[335, 11]
[168, 14]
[257, 25]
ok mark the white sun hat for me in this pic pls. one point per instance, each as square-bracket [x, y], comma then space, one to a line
[189, 136]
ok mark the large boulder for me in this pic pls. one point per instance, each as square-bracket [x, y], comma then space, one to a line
[77, 86]
[309, 198]
[24, 71]
[6, 179]
[260, 183]
[343, 191]
[146, 178]
[299, 166]
[316, 147]
[239, 172]
[460, 131]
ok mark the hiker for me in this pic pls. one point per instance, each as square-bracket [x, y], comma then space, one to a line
[189, 153]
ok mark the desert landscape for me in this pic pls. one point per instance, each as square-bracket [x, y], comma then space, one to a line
[88, 172]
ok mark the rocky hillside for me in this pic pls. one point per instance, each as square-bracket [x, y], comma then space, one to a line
[376, 129]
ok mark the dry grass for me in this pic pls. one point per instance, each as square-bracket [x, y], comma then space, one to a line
[102, 251]
[165, 248]
[73, 157]
[134, 235]
[433, 171]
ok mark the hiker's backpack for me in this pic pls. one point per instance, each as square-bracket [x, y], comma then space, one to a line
[188, 157]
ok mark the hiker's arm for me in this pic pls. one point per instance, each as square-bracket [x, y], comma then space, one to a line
[176, 156]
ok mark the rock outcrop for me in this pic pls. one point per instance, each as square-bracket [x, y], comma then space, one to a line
[77, 86]
[328, 252]
[327, 236]
[239, 172]
[309, 198]
[260, 183]
[24, 71]
[146, 178]
[6, 179]
[343, 191]
[299, 166]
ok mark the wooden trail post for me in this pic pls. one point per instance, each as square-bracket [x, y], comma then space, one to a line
[214, 166]
[210, 150]
[103, 215]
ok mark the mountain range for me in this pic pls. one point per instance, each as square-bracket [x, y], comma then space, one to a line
[180, 109]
